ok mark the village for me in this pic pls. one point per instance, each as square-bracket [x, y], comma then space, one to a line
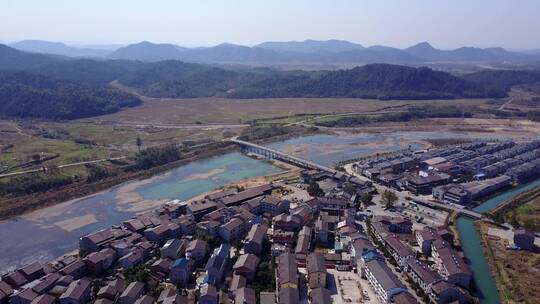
[366, 235]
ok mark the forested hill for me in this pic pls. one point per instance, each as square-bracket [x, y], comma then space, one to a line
[62, 88]
[29, 95]
[380, 81]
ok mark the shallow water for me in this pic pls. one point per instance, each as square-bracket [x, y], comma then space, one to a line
[53, 231]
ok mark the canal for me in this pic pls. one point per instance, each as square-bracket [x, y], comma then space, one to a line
[50, 232]
[472, 246]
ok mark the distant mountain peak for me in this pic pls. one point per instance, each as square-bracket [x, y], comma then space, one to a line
[422, 46]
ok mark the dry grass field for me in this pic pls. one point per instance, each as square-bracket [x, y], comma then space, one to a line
[234, 111]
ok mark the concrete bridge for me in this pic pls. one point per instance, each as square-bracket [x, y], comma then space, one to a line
[270, 153]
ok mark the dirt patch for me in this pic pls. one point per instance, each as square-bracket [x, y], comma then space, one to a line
[75, 223]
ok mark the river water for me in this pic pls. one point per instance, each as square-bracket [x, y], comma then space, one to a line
[470, 241]
[53, 231]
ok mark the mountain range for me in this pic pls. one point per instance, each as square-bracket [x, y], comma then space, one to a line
[61, 87]
[288, 53]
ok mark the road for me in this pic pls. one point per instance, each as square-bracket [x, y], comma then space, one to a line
[63, 166]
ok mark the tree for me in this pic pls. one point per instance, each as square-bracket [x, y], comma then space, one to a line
[366, 198]
[36, 158]
[314, 189]
[388, 197]
[139, 143]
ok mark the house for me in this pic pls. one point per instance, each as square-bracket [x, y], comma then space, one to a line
[399, 251]
[160, 268]
[14, 279]
[267, 297]
[245, 295]
[383, 280]
[134, 258]
[5, 291]
[196, 250]
[320, 295]
[303, 243]
[524, 239]
[112, 290]
[287, 222]
[32, 271]
[76, 270]
[208, 294]
[158, 234]
[232, 230]
[283, 237]
[23, 296]
[395, 224]
[425, 238]
[173, 249]
[243, 196]
[97, 262]
[287, 271]
[132, 292]
[217, 264]
[237, 282]
[44, 299]
[187, 224]
[46, 283]
[444, 292]
[246, 265]
[288, 295]
[421, 274]
[255, 239]
[404, 298]
[145, 300]
[316, 270]
[201, 207]
[322, 231]
[450, 265]
[95, 241]
[181, 271]
[78, 292]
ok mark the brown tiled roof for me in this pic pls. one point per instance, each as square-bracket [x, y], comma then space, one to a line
[287, 269]
[245, 295]
[315, 263]
[249, 261]
[76, 289]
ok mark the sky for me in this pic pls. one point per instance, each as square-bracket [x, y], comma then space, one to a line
[513, 24]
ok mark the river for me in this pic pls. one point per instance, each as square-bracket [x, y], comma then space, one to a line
[53, 231]
[472, 247]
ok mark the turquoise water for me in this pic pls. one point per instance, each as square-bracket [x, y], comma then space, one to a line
[470, 241]
[40, 237]
[486, 290]
[331, 149]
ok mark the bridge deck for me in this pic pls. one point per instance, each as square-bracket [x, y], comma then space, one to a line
[309, 164]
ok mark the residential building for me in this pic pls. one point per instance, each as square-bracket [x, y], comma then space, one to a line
[246, 265]
[78, 292]
[181, 272]
[132, 292]
[524, 239]
[255, 239]
[383, 280]
[196, 250]
[316, 270]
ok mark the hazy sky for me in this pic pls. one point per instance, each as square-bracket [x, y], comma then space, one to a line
[400, 23]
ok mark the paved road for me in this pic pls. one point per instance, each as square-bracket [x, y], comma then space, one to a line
[63, 166]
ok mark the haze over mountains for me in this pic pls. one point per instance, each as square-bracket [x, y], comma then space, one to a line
[60, 87]
[288, 53]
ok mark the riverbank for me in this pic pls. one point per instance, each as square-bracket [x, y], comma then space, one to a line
[16, 206]
[515, 272]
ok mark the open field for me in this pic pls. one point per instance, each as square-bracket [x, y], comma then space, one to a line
[517, 273]
[234, 111]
